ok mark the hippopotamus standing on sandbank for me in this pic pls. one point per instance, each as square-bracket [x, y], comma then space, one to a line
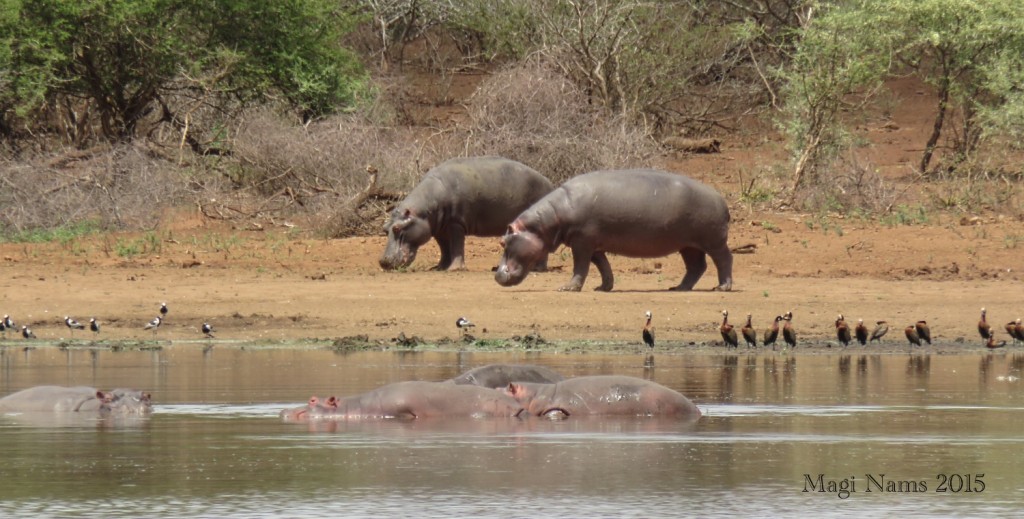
[638, 213]
[475, 196]
[81, 399]
[602, 395]
[501, 375]
[410, 400]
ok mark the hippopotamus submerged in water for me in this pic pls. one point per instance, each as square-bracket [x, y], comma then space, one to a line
[501, 375]
[475, 196]
[410, 400]
[602, 395]
[81, 399]
[638, 213]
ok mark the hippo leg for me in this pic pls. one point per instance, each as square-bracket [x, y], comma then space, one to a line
[600, 260]
[581, 258]
[696, 263]
[723, 263]
[457, 248]
[444, 243]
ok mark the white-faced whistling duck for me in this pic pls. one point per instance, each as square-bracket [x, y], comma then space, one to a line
[728, 332]
[983, 327]
[881, 328]
[842, 331]
[649, 332]
[861, 332]
[749, 335]
[788, 333]
[771, 334]
[923, 331]
[912, 336]
[1016, 330]
[991, 344]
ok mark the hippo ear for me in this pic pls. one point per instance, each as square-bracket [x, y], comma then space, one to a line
[516, 227]
[407, 214]
[513, 389]
[313, 400]
[332, 402]
[104, 396]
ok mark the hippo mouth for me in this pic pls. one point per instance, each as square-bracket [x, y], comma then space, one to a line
[401, 257]
[507, 277]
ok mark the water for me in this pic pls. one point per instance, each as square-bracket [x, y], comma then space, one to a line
[773, 424]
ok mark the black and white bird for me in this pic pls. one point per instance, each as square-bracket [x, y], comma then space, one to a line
[73, 324]
[94, 325]
[163, 310]
[154, 324]
[207, 330]
[462, 323]
[648, 333]
[26, 332]
[9, 323]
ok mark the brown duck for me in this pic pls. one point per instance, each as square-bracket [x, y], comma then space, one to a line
[842, 331]
[912, 336]
[772, 334]
[984, 329]
[861, 332]
[648, 332]
[788, 333]
[728, 332]
[881, 328]
[923, 331]
[749, 335]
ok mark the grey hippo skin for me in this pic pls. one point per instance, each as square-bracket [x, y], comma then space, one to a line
[81, 399]
[602, 395]
[410, 400]
[639, 213]
[501, 375]
[476, 196]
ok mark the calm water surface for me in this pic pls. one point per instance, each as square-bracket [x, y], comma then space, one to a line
[215, 448]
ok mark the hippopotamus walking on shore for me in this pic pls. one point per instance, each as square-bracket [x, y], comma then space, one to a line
[638, 213]
[501, 375]
[410, 400]
[81, 399]
[475, 196]
[602, 395]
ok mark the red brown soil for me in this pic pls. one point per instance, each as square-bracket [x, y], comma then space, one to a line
[277, 284]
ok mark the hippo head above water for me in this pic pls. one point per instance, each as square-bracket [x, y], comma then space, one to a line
[407, 232]
[124, 402]
[523, 249]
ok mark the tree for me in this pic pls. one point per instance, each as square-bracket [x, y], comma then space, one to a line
[116, 62]
[970, 51]
[960, 47]
[838, 54]
[654, 62]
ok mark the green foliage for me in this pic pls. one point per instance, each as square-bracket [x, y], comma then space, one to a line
[122, 60]
[841, 52]
[906, 215]
[63, 235]
[971, 51]
[634, 58]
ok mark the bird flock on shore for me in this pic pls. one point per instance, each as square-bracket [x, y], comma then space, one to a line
[917, 333]
[94, 326]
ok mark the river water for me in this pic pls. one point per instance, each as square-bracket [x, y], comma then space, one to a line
[782, 436]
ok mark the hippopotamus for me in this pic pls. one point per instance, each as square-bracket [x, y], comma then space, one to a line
[475, 196]
[80, 399]
[640, 213]
[601, 395]
[501, 375]
[410, 400]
